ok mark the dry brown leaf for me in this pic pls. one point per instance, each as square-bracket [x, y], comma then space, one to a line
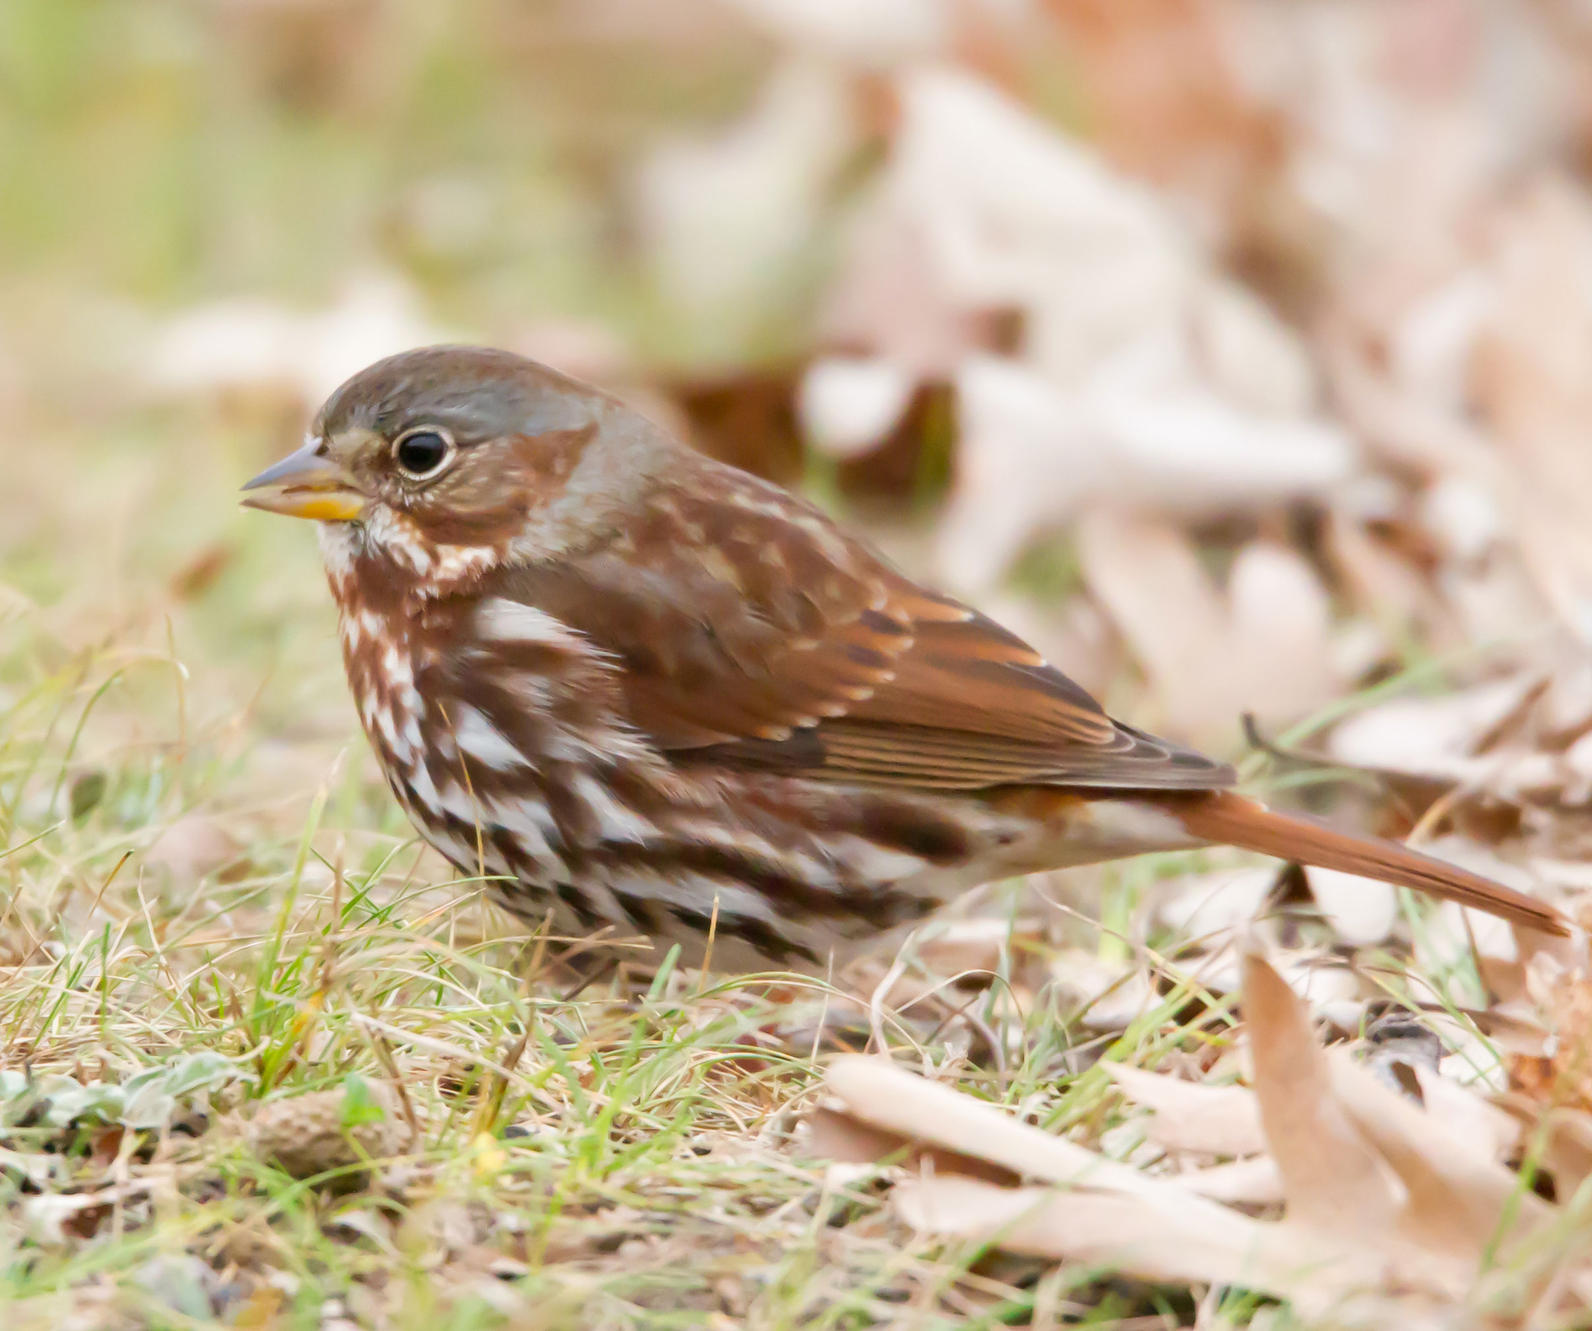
[1487, 1129]
[1456, 1195]
[1382, 1198]
[1149, 577]
[834, 1134]
[885, 1096]
[1563, 1075]
[1333, 1180]
[1172, 1236]
[1260, 645]
[1189, 1116]
[195, 845]
[1362, 1165]
[1252, 1182]
[1561, 1138]
[307, 1135]
[1532, 384]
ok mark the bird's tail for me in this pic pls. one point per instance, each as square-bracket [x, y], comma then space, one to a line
[1222, 816]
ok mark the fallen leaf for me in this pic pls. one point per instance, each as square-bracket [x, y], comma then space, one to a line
[766, 174]
[913, 1109]
[1361, 910]
[1172, 1236]
[247, 343]
[1382, 1200]
[1189, 1116]
[1251, 1182]
[1259, 645]
[848, 404]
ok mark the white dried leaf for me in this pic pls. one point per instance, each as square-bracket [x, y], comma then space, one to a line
[1149, 578]
[848, 404]
[1251, 1182]
[879, 33]
[1211, 905]
[765, 176]
[1430, 347]
[1260, 645]
[1463, 515]
[891, 1098]
[1171, 1235]
[1382, 1197]
[250, 343]
[1486, 1129]
[195, 845]
[1281, 623]
[1019, 216]
[1361, 910]
[1192, 1116]
[1250, 356]
[1429, 736]
[1034, 457]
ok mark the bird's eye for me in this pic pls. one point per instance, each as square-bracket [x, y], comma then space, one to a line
[422, 453]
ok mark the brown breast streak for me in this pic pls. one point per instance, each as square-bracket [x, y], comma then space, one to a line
[510, 755]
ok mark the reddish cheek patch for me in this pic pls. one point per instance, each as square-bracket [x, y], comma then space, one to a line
[545, 462]
[501, 486]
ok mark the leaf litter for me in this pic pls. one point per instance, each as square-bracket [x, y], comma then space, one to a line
[1387, 1208]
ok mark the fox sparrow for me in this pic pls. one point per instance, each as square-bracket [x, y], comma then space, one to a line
[640, 689]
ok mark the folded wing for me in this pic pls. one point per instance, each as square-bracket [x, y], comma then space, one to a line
[751, 631]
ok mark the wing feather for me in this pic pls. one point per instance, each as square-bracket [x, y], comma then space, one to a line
[750, 630]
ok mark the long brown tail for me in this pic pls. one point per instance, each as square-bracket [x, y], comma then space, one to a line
[1222, 816]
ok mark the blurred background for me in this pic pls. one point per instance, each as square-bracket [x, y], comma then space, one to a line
[1237, 352]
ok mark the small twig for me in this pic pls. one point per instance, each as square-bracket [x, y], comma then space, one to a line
[1263, 744]
[389, 1065]
[601, 973]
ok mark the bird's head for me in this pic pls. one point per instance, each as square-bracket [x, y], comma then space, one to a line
[461, 458]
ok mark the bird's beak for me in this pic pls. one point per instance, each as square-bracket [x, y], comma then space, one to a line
[306, 485]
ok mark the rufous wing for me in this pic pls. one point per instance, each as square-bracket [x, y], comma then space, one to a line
[751, 631]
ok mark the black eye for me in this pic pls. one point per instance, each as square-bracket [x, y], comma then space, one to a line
[422, 453]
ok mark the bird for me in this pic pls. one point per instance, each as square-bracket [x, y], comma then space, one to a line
[642, 693]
